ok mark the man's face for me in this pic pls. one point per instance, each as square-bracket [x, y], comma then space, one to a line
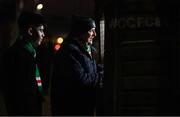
[90, 36]
[38, 35]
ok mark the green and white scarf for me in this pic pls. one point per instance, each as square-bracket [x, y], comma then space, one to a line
[88, 49]
[30, 48]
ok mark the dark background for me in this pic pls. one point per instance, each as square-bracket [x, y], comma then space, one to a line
[141, 56]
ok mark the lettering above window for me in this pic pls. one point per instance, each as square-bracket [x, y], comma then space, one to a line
[135, 22]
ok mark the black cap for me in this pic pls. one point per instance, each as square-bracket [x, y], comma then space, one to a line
[27, 19]
[80, 25]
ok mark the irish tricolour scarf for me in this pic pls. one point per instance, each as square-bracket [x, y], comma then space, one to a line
[38, 80]
[30, 48]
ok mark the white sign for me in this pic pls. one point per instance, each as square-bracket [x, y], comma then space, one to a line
[135, 22]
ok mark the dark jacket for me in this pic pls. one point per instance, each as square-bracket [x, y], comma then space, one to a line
[20, 87]
[75, 80]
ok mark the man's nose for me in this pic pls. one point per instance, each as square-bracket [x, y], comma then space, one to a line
[94, 33]
[43, 35]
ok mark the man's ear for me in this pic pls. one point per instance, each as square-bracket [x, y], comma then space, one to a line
[30, 31]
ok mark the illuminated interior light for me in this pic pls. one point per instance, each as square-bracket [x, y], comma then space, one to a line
[57, 47]
[59, 40]
[39, 6]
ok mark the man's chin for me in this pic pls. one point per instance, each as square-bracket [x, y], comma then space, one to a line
[39, 43]
[90, 43]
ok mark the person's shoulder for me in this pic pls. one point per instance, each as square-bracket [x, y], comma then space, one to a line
[15, 50]
[71, 44]
[73, 47]
[15, 47]
[9, 54]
